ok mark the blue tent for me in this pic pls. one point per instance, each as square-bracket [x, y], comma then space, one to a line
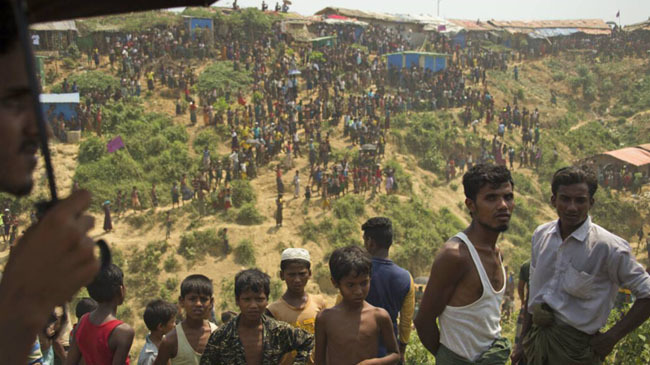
[65, 104]
[201, 23]
[431, 61]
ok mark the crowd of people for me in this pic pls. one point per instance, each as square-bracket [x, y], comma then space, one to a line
[576, 266]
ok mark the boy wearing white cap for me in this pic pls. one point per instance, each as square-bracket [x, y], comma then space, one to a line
[296, 307]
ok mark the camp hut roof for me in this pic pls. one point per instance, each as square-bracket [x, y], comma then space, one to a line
[64, 25]
[59, 98]
[352, 13]
[587, 26]
[635, 156]
[473, 25]
[645, 25]
[645, 146]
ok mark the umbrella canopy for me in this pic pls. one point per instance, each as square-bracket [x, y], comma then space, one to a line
[294, 72]
[51, 10]
[368, 147]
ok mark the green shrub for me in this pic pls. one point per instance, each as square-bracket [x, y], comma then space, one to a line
[245, 253]
[207, 138]
[242, 193]
[91, 149]
[349, 207]
[248, 215]
[220, 75]
[196, 244]
[90, 81]
[70, 64]
[171, 264]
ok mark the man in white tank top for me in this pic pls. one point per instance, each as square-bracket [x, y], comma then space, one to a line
[467, 280]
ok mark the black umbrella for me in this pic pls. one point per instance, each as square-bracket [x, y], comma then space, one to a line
[50, 10]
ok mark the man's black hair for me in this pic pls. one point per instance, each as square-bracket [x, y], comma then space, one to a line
[106, 285]
[285, 263]
[198, 284]
[575, 175]
[347, 260]
[85, 305]
[485, 174]
[8, 28]
[253, 280]
[380, 229]
[158, 312]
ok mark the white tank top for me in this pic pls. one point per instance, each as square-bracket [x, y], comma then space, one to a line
[469, 330]
[185, 355]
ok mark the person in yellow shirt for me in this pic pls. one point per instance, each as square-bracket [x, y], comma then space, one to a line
[296, 307]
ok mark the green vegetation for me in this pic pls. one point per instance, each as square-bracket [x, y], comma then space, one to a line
[221, 75]
[143, 271]
[155, 152]
[130, 22]
[245, 253]
[248, 215]
[89, 82]
[242, 193]
[196, 244]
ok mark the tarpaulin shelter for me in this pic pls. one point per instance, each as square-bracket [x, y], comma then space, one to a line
[60, 104]
[193, 23]
[428, 60]
[327, 41]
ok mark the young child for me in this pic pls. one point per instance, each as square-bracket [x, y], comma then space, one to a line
[253, 337]
[296, 307]
[100, 338]
[160, 318]
[349, 333]
[185, 343]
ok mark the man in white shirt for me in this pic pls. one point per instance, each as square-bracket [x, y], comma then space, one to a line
[576, 270]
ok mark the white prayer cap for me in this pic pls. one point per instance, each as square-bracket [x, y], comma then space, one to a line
[296, 254]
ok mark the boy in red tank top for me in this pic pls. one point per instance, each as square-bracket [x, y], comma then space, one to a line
[100, 338]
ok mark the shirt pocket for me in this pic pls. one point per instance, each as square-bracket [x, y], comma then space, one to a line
[577, 283]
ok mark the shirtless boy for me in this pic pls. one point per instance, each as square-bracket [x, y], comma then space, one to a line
[349, 333]
[185, 344]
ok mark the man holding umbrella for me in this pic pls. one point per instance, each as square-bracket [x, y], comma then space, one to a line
[59, 243]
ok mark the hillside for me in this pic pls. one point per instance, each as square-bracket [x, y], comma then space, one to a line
[600, 106]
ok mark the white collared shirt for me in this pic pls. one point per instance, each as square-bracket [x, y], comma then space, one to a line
[580, 276]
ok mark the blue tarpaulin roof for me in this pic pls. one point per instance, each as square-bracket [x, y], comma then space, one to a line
[60, 98]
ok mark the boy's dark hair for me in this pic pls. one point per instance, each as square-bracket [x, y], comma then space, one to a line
[196, 283]
[285, 263]
[347, 260]
[8, 28]
[106, 285]
[254, 280]
[227, 316]
[85, 305]
[575, 175]
[158, 312]
[380, 229]
[484, 174]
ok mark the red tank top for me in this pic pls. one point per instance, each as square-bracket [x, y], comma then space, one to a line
[92, 341]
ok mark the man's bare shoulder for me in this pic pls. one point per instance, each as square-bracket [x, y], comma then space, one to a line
[453, 251]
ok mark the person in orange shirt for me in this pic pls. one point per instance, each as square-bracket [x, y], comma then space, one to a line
[296, 307]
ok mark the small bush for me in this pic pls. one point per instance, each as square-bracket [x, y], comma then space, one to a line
[242, 193]
[349, 207]
[171, 263]
[197, 243]
[245, 253]
[248, 215]
[69, 63]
